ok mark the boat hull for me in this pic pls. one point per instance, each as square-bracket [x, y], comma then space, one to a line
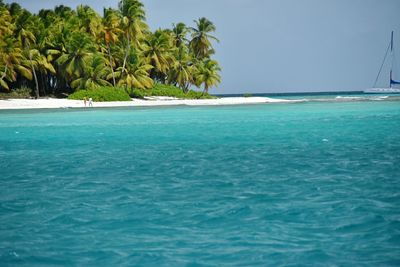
[382, 91]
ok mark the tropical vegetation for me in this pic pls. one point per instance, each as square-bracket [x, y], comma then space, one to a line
[101, 94]
[63, 51]
[169, 91]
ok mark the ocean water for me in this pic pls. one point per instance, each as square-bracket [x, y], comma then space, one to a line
[302, 184]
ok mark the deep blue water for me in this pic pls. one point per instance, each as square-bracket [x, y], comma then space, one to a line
[305, 184]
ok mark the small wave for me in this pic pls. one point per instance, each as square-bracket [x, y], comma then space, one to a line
[281, 100]
[362, 98]
[300, 100]
[338, 99]
[379, 98]
[349, 98]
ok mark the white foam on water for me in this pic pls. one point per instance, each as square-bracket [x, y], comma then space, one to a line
[349, 98]
[379, 98]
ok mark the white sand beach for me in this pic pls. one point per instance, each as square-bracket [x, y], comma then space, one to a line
[151, 101]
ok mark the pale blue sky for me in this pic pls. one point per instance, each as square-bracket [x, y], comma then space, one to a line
[282, 45]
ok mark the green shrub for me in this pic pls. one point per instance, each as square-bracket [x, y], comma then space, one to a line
[198, 95]
[102, 94]
[167, 90]
[23, 92]
[170, 91]
[136, 93]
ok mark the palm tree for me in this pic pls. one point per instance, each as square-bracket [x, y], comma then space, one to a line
[13, 61]
[95, 73]
[62, 11]
[158, 50]
[27, 39]
[89, 20]
[181, 72]
[133, 25]
[110, 31]
[15, 9]
[6, 25]
[179, 32]
[11, 50]
[78, 48]
[136, 74]
[42, 65]
[6, 30]
[53, 45]
[207, 74]
[201, 36]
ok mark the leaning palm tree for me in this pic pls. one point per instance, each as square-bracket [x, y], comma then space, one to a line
[95, 73]
[200, 43]
[207, 74]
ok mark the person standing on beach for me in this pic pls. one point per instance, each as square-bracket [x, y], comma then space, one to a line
[90, 102]
[84, 101]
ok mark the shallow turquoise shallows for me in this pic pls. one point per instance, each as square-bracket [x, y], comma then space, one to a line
[300, 184]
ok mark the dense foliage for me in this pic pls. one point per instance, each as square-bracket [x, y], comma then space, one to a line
[63, 50]
[101, 94]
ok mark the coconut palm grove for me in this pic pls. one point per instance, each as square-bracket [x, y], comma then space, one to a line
[63, 51]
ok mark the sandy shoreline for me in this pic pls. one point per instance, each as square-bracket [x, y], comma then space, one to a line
[49, 103]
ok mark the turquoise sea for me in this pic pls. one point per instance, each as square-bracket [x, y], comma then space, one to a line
[314, 183]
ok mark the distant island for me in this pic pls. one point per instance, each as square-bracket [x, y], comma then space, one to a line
[79, 53]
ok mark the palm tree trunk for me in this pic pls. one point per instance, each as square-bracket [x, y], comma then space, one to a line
[50, 82]
[128, 47]
[43, 84]
[111, 66]
[34, 75]
[3, 76]
[5, 72]
[205, 90]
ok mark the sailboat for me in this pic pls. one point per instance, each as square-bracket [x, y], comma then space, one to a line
[392, 82]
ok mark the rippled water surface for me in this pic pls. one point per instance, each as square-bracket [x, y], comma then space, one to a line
[268, 185]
